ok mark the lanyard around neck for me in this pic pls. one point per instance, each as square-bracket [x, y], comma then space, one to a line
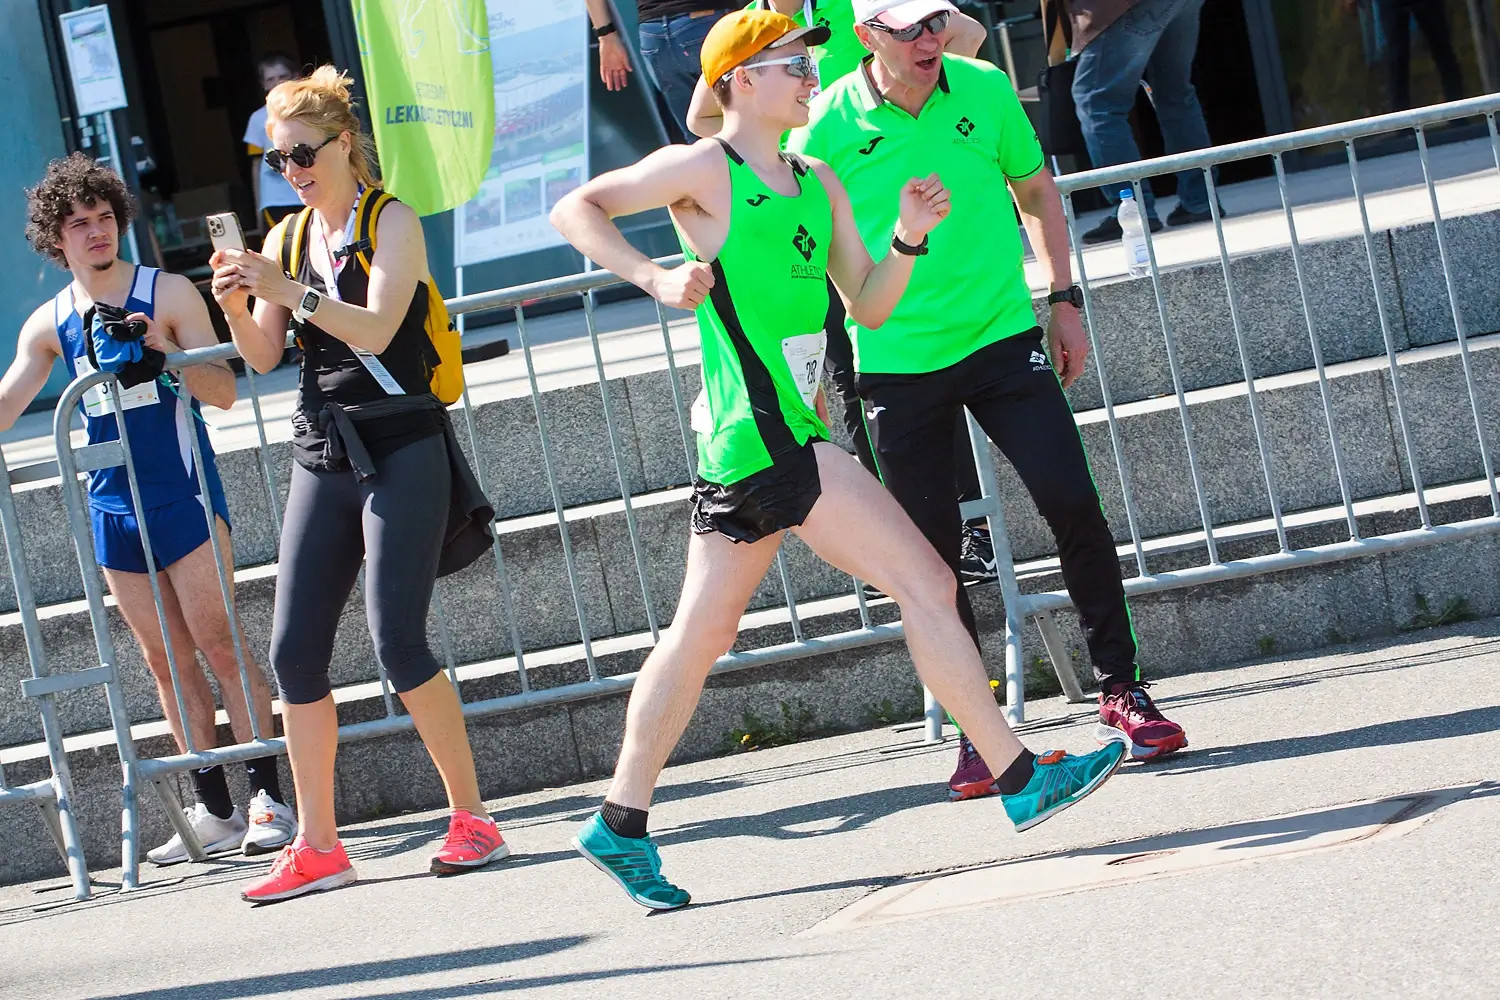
[335, 265]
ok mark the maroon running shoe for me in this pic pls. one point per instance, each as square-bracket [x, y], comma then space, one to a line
[1128, 708]
[973, 778]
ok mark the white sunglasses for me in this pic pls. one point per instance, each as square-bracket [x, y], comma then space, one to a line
[800, 65]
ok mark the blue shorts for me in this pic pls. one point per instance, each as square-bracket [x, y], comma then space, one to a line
[176, 529]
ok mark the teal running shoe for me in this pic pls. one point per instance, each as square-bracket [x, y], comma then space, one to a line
[1059, 781]
[634, 864]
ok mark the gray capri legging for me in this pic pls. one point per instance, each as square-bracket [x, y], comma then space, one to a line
[394, 522]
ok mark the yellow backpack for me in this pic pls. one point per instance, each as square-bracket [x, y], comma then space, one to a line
[447, 382]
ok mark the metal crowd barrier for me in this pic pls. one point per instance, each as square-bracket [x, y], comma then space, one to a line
[1040, 607]
[1019, 607]
[53, 796]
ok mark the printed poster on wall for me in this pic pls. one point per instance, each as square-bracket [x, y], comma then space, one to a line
[93, 63]
[539, 51]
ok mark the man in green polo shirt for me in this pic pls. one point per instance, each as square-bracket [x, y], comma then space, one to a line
[964, 334]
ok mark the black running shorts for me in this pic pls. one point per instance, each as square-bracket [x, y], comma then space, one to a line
[763, 503]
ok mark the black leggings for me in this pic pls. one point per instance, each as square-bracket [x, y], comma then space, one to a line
[839, 363]
[393, 522]
[1011, 390]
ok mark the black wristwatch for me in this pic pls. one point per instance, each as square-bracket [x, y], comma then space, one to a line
[605, 29]
[1072, 295]
[920, 250]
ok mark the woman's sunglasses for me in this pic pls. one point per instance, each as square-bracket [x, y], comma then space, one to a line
[798, 65]
[936, 24]
[302, 154]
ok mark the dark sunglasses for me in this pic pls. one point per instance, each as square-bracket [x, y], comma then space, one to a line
[302, 154]
[936, 24]
[800, 65]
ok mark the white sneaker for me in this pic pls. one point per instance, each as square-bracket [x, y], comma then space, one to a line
[272, 825]
[218, 836]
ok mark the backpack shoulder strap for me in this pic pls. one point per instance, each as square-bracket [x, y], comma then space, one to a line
[367, 216]
[294, 241]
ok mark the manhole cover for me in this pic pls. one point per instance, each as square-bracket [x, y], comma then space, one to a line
[1155, 857]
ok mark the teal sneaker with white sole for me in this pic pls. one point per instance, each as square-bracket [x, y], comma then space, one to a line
[1059, 781]
[634, 864]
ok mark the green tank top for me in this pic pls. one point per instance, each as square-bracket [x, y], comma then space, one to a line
[761, 328]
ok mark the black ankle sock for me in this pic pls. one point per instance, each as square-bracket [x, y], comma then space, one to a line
[623, 820]
[1018, 774]
[263, 777]
[213, 790]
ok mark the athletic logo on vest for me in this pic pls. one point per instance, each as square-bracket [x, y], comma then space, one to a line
[1039, 362]
[804, 243]
[759, 199]
[871, 147]
[965, 127]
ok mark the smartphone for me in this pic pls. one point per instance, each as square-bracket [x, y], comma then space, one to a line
[224, 231]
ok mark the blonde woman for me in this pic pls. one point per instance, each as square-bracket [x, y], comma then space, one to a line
[375, 469]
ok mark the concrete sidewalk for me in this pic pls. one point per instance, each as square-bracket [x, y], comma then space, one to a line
[1264, 861]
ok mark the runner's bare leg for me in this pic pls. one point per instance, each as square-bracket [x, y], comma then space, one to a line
[860, 528]
[721, 576]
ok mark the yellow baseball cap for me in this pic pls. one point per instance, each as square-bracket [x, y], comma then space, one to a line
[744, 33]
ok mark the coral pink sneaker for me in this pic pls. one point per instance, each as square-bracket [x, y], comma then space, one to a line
[300, 869]
[473, 842]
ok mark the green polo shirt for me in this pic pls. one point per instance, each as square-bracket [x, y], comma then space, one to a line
[970, 290]
[842, 52]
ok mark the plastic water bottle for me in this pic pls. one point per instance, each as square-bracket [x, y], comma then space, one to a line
[1133, 236]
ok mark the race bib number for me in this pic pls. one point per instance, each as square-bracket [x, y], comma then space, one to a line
[699, 418]
[804, 356]
[96, 402]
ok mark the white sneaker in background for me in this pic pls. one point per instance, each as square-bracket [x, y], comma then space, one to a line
[218, 836]
[272, 826]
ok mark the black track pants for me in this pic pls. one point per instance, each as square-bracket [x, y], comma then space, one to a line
[1012, 391]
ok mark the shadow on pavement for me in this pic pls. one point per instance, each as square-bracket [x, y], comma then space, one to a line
[358, 972]
[422, 965]
[1381, 661]
[1469, 722]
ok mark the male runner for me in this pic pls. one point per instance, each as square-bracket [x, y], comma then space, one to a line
[964, 335]
[75, 217]
[841, 54]
[762, 231]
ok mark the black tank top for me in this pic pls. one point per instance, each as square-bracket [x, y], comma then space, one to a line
[332, 373]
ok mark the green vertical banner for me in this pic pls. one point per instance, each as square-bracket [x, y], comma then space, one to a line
[432, 99]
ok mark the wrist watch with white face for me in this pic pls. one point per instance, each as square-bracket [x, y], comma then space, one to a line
[308, 306]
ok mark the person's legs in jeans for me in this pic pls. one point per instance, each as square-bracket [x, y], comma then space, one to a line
[1104, 86]
[670, 51]
[1432, 18]
[1395, 19]
[1170, 72]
